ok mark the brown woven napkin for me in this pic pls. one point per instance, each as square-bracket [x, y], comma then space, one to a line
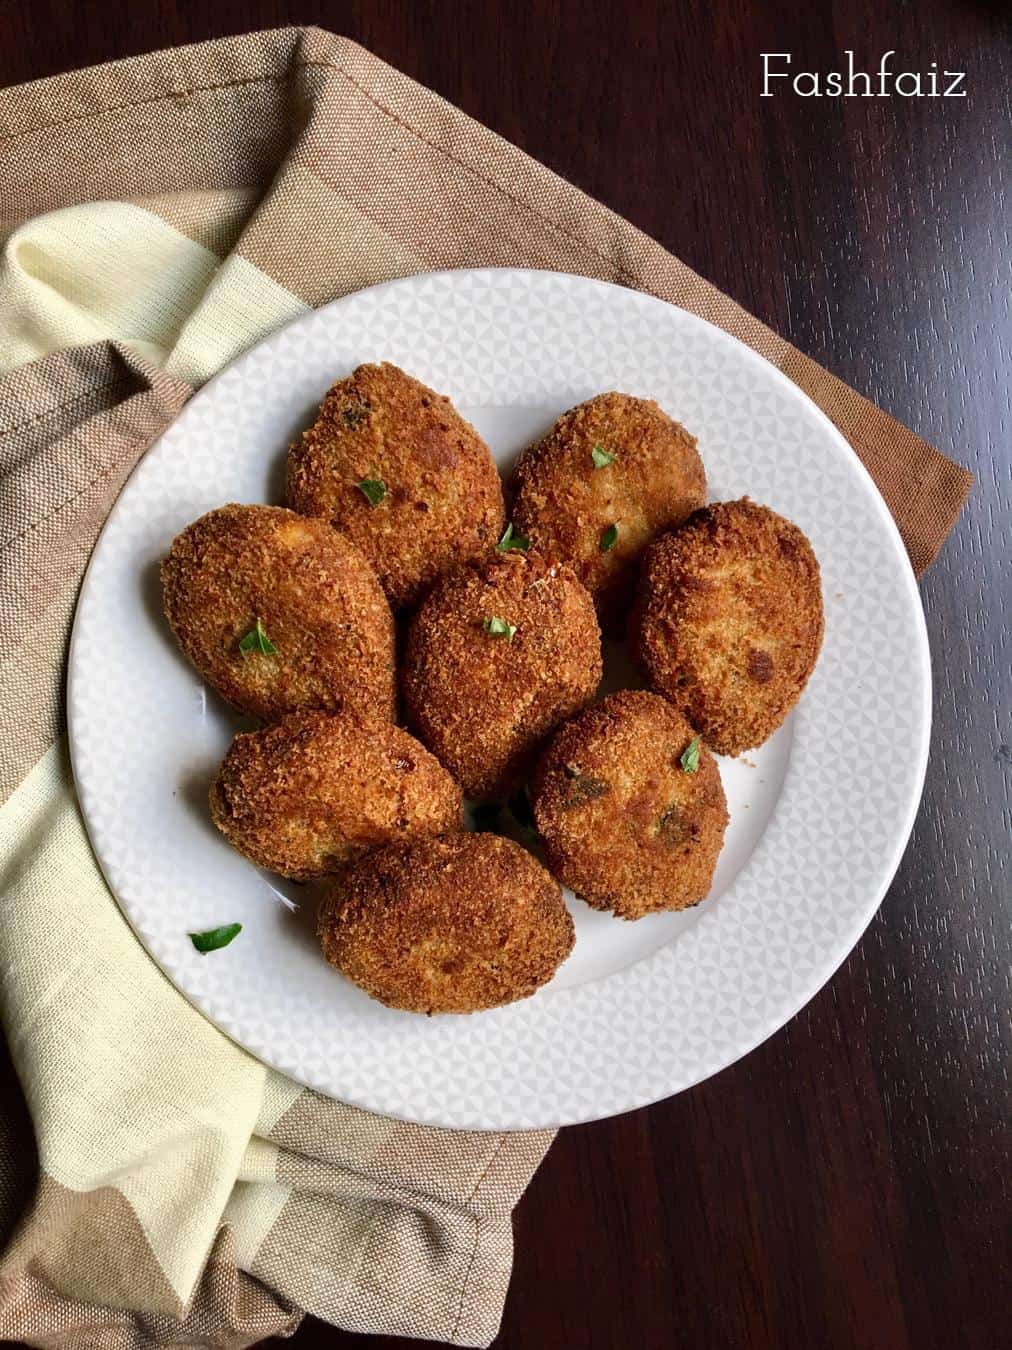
[203, 196]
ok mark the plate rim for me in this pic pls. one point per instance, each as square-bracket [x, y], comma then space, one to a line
[922, 661]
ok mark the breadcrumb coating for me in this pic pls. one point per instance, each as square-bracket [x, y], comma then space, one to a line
[304, 796]
[317, 600]
[565, 502]
[482, 701]
[443, 497]
[446, 925]
[624, 824]
[729, 621]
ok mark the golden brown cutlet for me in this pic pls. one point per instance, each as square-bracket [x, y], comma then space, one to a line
[452, 924]
[729, 621]
[630, 806]
[280, 613]
[498, 654]
[440, 500]
[304, 796]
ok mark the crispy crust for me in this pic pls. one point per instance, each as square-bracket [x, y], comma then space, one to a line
[729, 621]
[317, 597]
[304, 796]
[453, 924]
[444, 498]
[565, 504]
[623, 824]
[483, 704]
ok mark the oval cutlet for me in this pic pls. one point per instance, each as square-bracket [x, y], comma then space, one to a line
[304, 796]
[497, 655]
[729, 621]
[611, 475]
[440, 500]
[453, 924]
[279, 613]
[624, 823]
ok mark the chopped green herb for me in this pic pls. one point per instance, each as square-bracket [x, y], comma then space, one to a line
[256, 640]
[496, 627]
[607, 540]
[215, 937]
[373, 490]
[511, 541]
[601, 457]
[690, 757]
[486, 816]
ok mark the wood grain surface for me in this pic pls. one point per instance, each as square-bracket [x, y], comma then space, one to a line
[847, 1185]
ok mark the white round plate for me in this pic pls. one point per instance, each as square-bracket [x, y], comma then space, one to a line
[819, 816]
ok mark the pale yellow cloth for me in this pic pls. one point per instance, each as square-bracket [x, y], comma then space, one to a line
[155, 1102]
[115, 270]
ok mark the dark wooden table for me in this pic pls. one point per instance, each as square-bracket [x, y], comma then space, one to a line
[847, 1185]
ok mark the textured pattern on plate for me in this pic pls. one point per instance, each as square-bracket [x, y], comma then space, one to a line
[640, 1011]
